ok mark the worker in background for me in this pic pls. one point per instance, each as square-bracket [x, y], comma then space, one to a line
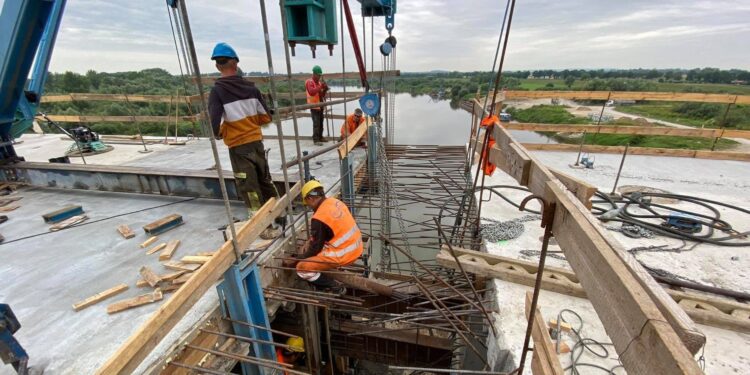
[335, 240]
[352, 122]
[293, 353]
[316, 89]
[237, 111]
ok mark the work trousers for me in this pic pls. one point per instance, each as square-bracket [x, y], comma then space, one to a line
[252, 175]
[317, 119]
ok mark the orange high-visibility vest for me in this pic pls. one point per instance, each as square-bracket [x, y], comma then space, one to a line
[346, 245]
[487, 124]
[280, 358]
[350, 125]
[312, 99]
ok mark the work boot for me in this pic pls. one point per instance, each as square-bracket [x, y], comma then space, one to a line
[270, 233]
[281, 221]
[323, 139]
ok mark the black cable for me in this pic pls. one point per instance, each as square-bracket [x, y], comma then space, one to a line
[709, 223]
[98, 220]
[583, 344]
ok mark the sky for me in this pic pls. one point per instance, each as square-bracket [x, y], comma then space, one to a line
[110, 36]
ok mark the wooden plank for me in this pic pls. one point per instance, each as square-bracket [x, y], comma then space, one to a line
[673, 152]
[195, 259]
[148, 335]
[542, 341]
[644, 339]
[98, 297]
[92, 97]
[164, 224]
[150, 277]
[125, 231]
[95, 118]
[305, 76]
[162, 278]
[631, 95]
[69, 222]
[353, 139]
[179, 266]
[627, 129]
[143, 299]
[581, 189]
[148, 242]
[156, 248]
[182, 279]
[169, 250]
[725, 313]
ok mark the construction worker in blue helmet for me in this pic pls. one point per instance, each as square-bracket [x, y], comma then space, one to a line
[237, 111]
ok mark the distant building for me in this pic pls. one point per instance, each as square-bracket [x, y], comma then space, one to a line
[739, 82]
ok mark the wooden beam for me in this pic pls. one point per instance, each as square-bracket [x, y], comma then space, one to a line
[630, 95]
[304, 76]
[156, 248]
[673, 152]
[169, 250]
[143, 299]
[96, 298]
[92, 97]
[352, 140]
[543, 347]
[150, 277]
[125, 231]
[145, 339]
[722, 313]
[95, 118]
[583, 190]
[627, 129]
[634, 318]
[643, 338]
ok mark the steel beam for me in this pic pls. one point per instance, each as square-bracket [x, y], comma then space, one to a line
[154, 181]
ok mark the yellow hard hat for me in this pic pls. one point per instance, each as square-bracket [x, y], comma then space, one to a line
[296, 344]
[309, 186]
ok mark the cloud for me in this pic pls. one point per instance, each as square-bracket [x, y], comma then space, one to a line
[438, 34]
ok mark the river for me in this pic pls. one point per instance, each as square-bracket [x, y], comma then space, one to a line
[420, 120]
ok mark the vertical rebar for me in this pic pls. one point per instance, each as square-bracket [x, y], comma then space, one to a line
[197, 73]
[622, 162]
[302, 174]
[277, 119]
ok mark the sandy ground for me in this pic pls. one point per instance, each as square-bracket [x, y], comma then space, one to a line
[726, 352]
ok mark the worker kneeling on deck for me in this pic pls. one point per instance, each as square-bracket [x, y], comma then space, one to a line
[335, 240]
[351, 124]
[237, 111]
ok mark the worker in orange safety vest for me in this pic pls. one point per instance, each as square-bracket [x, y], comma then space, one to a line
[316, 89]
[293, 353]
[352, 122]
[335, 239]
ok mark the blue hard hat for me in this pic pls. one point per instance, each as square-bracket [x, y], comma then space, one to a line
[224, 50]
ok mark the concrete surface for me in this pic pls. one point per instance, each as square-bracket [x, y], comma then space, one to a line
[43, 273]
[728, 181]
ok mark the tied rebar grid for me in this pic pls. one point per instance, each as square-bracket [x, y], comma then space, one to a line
[426, 182]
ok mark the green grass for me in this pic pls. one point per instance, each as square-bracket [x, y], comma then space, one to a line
[663, 111]
[545, 114]
[738, 117]
[657, 141]
[551, 114]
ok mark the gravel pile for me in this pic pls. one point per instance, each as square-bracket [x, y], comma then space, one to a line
[504, 230]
